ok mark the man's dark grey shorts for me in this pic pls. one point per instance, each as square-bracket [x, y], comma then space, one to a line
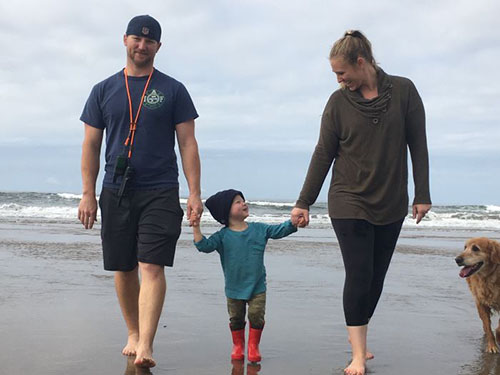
[144, 228]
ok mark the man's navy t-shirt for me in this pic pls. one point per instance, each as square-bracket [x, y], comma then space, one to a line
[166, 104]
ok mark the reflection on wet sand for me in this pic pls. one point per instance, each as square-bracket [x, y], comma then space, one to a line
[132, 369]
[484, 363]
[239, 368]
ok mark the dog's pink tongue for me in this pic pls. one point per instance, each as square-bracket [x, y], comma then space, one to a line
[464, 272]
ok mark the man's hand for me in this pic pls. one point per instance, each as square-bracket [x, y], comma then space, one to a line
[299, 217]
[87, 211]
[419, 211]
[194, 210]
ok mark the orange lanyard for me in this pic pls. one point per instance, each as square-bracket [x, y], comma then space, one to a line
[133, 122]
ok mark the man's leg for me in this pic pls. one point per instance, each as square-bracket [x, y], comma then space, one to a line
[151, 298]
[119, 244]
[159, 227]
[127, 290]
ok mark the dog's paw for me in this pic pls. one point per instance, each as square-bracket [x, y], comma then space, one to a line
[492, 348]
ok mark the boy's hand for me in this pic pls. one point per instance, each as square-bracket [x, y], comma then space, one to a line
[301, 222]
[195, 219]
[299, 217]
[194, 209]
[298, 222]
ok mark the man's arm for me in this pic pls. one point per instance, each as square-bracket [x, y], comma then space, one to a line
[188, 148]
[91, 150]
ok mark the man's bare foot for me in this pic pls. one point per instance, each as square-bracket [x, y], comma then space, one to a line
[356, 367]
[130, 349]
[144, 359]
[369, 355]
[146, 362]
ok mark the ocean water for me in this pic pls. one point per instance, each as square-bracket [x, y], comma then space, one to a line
[26, 207]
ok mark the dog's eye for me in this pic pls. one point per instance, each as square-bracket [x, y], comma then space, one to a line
[475, 248]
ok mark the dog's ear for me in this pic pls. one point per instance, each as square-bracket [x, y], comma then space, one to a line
[495, 251]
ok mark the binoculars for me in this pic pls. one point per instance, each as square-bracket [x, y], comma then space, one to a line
[122, 168]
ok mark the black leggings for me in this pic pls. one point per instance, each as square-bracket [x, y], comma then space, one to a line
[367, 251]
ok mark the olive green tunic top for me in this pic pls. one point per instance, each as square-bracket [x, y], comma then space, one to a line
[367, 141]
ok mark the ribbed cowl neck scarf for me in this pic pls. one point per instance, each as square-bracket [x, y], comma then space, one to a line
[372, 108]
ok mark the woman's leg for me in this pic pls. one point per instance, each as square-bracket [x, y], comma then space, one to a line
[356, 240]
[357, 337]
[386, 237]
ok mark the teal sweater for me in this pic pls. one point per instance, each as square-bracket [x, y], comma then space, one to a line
[242, 256]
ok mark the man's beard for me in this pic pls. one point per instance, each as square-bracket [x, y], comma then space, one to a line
[141, 63]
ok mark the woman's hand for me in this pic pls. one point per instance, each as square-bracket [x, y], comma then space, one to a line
[299, 217]
[419, 211]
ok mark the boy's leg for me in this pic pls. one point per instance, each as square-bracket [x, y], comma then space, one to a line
[236, 309]
[256, 312]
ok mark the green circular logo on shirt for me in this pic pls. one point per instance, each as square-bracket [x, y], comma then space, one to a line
[153, 99]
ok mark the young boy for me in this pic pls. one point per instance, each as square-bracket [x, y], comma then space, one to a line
[241, 248]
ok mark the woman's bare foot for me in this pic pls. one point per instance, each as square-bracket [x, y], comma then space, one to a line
[356, 367]
[144, 358]
[130, 349]
[369, 355]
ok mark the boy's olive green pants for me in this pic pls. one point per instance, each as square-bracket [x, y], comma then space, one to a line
[256, 310]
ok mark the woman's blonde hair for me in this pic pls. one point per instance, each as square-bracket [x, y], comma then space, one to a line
[351, 46]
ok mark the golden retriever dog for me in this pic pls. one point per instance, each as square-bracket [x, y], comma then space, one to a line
[481, 268]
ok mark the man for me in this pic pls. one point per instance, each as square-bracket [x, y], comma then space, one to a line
[141, 109]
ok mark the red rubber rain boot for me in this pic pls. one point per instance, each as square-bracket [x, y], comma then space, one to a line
[238, 352]
[253, 344]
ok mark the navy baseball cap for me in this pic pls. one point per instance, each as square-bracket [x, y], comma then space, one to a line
[145, 26]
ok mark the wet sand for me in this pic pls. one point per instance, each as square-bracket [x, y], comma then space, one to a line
[59, 313]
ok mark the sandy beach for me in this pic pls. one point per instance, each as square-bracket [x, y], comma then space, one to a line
[59, 313]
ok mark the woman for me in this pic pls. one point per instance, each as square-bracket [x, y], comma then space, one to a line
[366, 128]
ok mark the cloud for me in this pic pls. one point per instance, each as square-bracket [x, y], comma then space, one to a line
[257, 70]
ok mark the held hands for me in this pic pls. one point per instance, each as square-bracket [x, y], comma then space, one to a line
[87, 211]
[194, 210]
[195, 220]
[420, 210]
[299, 217]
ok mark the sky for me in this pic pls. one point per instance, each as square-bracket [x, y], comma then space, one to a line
[259, 75]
